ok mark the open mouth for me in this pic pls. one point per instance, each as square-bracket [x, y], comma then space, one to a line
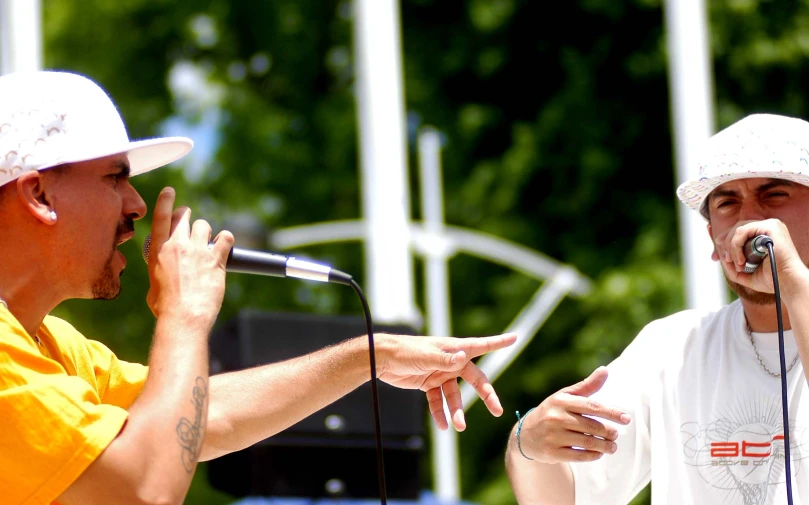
[124, 237]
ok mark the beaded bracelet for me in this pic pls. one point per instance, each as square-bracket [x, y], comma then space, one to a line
[519, 427]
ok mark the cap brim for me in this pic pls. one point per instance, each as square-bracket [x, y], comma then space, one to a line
[143, 155]
[693, 193]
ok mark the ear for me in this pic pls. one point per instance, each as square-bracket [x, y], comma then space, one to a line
[34, 193]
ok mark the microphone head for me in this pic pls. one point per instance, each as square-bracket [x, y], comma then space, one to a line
[147, 242]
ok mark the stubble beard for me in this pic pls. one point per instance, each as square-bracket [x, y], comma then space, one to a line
[107, 286]
[750, 295]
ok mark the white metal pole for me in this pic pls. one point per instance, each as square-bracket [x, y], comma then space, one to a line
[691, 86]
[20, 35]
[385, 195]
[446, 470]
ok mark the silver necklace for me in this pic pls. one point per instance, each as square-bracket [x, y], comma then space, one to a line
[761, 362]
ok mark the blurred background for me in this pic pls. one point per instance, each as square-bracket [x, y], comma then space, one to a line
[555, 129]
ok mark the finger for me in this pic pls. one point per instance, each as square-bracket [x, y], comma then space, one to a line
[435, 401]
[477, 346]
[201, 231]
[478, 380]
[161, 222]
[584, 424]
[453, 395]
[223, 243]
[577, 455]
[589, 407]
[588, 442]
[737, 241]
[737, 238]
[180, 222]
[590, 385]
[442, 361]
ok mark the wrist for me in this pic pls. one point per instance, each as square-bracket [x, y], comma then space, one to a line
[518, 432]
[358, 349]
[383, 349]
[794, 283]
[190, 320]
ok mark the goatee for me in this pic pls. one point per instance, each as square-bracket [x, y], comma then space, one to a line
[107, 285]
[750, 295]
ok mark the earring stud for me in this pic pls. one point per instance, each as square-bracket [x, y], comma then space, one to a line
[52, 215]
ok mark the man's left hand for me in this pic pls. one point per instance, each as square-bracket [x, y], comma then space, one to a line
[433, 365]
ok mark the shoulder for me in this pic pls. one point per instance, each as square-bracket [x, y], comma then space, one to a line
[61, 329]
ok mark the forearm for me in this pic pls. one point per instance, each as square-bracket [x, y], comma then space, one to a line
[251, 405]
[152, 460]
[173, 406]
[166, 424]
[536, 483]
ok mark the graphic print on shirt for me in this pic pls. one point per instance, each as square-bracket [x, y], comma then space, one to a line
[741, 453]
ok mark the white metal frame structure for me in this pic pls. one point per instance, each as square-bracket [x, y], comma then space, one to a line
[437, 243]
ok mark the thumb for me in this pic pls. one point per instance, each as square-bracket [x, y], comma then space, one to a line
[590, 385]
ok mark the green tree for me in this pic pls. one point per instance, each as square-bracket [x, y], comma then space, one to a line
[556, 129]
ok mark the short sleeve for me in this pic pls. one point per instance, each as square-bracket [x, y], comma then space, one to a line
[616, 478]
[119, 382]
[54, 425]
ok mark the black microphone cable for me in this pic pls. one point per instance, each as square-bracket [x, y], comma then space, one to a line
[346, 279]
[752, 263]
[380, 460]
[784, 403]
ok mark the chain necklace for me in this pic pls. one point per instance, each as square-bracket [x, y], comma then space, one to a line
[36, 337]
[761, 361]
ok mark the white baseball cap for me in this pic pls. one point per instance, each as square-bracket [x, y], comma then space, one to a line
[760, 145]
[51, 118]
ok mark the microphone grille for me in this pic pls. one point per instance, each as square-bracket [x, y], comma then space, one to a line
[147, 242]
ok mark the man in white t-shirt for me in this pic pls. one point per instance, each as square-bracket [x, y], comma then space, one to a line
[694, 402]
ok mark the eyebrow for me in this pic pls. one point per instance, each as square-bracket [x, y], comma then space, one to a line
[764, 187]
[123, 168]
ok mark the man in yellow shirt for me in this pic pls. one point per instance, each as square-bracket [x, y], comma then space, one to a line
[80, 426]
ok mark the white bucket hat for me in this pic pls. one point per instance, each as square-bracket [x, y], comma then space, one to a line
[760, 145]
[52, 118]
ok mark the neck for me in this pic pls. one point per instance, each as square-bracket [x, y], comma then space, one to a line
[29, 289]
[762, 318]
[29, 309]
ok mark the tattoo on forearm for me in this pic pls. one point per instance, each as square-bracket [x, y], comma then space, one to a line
[191, 435]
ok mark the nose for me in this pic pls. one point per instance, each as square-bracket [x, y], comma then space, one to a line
[134, 206]
[752, 210]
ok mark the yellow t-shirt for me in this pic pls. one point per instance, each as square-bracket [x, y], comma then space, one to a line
[61, 403]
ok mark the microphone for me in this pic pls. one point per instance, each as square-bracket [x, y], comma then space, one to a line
[755, 250]
[248, 261]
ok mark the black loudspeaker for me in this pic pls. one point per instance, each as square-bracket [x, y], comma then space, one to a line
[331, 453]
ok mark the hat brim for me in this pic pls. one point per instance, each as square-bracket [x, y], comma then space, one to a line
[144, 155]
[693, 193]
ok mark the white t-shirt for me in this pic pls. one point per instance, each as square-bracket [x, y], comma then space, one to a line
[706, 418]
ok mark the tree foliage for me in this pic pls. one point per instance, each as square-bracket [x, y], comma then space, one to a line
[556, 135]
